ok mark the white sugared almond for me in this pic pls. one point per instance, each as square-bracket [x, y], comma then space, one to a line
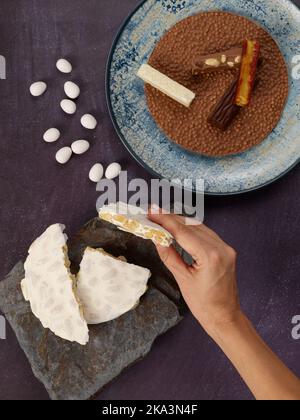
[72, 90]
[96, 173]
[64, 66]
[89, 122]
[79, 147]
[51, 135]
[113, 171]
[38, 88]
[68, 106]
[63, 155]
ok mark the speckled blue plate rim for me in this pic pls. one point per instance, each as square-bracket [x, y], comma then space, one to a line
[128, 146]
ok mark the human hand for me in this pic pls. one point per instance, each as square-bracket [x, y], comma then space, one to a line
[210, 290]
[209, 286]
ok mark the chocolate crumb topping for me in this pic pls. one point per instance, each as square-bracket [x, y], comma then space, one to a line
[174, 55]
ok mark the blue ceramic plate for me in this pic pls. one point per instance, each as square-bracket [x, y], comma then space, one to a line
[127, 103]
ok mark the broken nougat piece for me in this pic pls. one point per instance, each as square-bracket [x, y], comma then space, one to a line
[109, 287]
[250, 60]
[50, 287]
[166, 85]
[134, 220]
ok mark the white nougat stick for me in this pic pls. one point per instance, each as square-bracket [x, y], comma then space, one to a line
[166, 85]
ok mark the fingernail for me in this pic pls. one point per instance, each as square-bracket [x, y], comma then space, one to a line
[192, 221]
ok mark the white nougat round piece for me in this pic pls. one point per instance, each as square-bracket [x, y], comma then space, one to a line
[50, 287]
[109, 287]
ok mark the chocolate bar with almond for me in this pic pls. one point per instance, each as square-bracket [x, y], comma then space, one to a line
[229, 59]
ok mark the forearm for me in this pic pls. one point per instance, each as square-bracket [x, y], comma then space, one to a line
[209, 288]
[266, 376]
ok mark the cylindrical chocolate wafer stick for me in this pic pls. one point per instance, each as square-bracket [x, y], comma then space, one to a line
[226, 110]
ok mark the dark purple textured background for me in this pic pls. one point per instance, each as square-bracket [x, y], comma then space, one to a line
[263, 226]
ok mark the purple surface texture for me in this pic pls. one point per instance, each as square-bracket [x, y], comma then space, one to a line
[263, 226]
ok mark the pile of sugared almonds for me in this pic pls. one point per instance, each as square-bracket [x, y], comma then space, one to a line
[88, 121]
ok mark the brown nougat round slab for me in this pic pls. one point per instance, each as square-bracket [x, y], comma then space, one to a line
[174, 55]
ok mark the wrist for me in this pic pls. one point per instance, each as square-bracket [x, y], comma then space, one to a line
[218, 329]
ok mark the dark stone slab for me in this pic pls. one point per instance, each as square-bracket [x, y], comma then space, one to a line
[73, 372]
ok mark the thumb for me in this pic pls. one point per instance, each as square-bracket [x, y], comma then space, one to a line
[174, 263]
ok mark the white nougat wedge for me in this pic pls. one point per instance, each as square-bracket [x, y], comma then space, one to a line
[109, 287]
[134, 220]
[166, 85]
[50, 288]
